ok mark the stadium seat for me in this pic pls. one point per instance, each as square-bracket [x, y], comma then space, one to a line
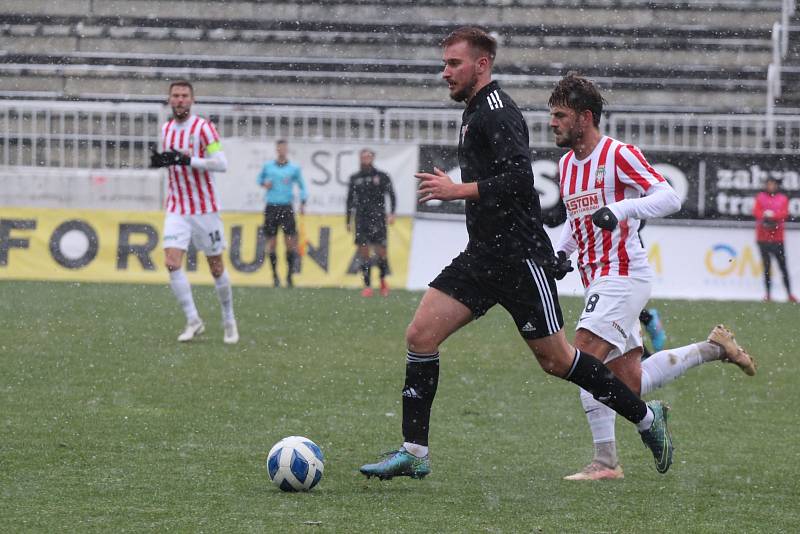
[718, 50]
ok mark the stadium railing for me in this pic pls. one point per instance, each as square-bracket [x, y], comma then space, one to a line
[119, 135]
[690, 132]
[780, 48]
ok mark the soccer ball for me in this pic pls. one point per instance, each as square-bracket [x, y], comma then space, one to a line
[295, 464]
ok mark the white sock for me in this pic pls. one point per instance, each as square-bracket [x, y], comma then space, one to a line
[420, 451]
[225, 296]
[665, 366]
[647, 422]
[601, 422]
[183, 292]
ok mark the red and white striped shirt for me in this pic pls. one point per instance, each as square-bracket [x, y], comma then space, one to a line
[613, 172]
[190, 190]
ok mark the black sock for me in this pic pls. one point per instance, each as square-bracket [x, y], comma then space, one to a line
[645, 317]
[646, 353]
[273, 260]
[422, 378]
[590, 374]
[365, 266]
[383, 266]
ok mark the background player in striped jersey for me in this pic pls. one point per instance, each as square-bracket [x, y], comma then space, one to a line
[608, 187]
[191, 152]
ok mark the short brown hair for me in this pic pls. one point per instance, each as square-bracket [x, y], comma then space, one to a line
[475, 37]
[181, 83]
[579, 94]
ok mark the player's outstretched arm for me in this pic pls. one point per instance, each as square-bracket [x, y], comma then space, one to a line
[660, 200]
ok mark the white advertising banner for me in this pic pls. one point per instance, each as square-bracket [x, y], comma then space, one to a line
[715, 263]
[688, 262]
[326, 168]
[112, 189]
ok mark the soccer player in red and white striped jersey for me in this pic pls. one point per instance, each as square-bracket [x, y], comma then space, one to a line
[616, 176]
[608, 187]
[191, 152]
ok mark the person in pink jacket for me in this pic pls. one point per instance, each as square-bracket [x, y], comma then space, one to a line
[771, 210]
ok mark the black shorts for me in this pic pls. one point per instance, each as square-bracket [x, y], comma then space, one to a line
[371, 230]
[279, 216]
[522, 287]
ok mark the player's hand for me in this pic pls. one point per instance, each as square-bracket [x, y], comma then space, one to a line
[436, 186]
[562, 266]
[168, 158]
[604, 218]
[390, 218]
[267, 185]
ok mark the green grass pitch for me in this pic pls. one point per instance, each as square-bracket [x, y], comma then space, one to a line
[107, 424]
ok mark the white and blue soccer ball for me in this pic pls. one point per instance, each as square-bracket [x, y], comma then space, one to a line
[295, 464]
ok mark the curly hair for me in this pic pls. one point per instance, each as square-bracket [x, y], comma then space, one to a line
[578, 93]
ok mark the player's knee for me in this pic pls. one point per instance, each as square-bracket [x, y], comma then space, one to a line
[420, 339]
[172, 264]
[216, 268]
[553, 364]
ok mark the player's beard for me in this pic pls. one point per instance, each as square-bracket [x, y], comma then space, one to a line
[568, 139]
[181, 114]
[465, 92]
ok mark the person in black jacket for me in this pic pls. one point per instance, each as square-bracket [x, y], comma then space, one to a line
[509, 260]
[366, 203]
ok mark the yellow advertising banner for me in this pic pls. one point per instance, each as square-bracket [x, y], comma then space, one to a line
[125, 246]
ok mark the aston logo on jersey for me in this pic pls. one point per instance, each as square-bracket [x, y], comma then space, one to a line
[584, 204]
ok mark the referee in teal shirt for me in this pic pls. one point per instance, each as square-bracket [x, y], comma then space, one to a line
[279, 178]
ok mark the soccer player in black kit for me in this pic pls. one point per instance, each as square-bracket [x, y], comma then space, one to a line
[366, 203]
[509, 260]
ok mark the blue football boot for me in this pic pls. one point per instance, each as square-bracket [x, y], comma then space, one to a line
[399, 463]
[656, 331]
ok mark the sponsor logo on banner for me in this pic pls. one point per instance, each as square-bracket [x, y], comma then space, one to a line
[326, 170]
[710, 186]
[725, 260]
[654, 258]
[115, 246]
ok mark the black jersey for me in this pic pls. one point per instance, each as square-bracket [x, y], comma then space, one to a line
[493, 151]
[367, 192]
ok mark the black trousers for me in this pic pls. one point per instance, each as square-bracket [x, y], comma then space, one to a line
[768, 250]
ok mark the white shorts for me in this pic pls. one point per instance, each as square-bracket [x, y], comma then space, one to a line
[205, 231]
[611, 311]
